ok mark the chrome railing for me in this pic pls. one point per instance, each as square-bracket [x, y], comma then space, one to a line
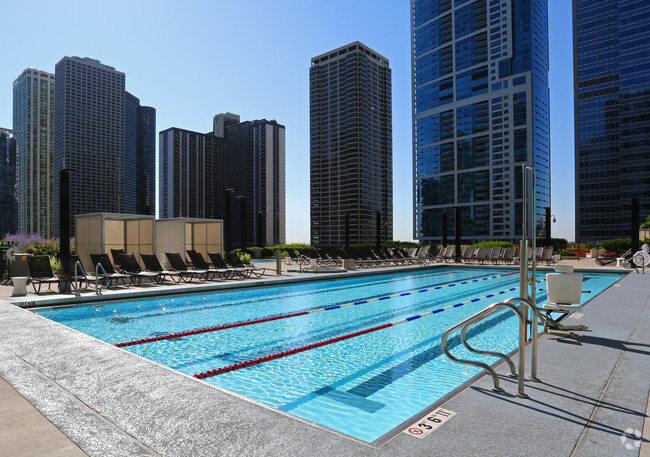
[522, 313]
[77, 283]
[98, 286]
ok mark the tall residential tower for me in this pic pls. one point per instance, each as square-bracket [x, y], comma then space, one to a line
[96, 135]
[351, 150]
[201, 174]
[612, 114]
[33, 113]
[480, 111]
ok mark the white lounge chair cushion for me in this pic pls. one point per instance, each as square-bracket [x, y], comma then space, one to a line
[564, 289]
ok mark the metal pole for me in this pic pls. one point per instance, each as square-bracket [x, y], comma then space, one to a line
[347, 230]
[459, 228]
[444, 229]
[533, 289]
[634, 233]
[547, 228]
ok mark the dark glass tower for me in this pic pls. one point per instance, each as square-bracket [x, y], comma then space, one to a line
[612, 113]
[247, 158]
[351, 151]
[96, 135]
[8, 200]
[480, 111]
[145, 169]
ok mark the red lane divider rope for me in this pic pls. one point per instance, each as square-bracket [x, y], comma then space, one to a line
[279, 355]
[172, 336]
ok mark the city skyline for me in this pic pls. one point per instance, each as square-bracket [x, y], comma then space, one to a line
[205, 79]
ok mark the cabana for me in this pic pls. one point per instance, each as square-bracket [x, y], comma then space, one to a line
[180, 234]
[98, 233]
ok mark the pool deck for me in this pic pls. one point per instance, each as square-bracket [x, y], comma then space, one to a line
[69, 394]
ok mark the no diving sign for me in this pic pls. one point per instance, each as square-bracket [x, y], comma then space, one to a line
[429, 423]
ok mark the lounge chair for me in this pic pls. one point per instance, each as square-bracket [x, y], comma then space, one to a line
[152, 264]
[564, 296]
[296, 257]
[107, 265]
[235, 261]
[135, 271]
[178, 264]
[482, 255]
[509, 255]
[199, 262]
[73, 274]
[495, 255]
[221, 264]
[40, 272]
[547, 255]
[115, 253]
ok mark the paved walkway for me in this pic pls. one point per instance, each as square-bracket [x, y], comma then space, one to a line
[593, 399]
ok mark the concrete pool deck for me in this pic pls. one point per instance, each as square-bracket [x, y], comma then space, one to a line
[106, 401]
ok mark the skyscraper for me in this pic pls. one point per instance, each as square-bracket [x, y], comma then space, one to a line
[197, 169]
[8, 200]
[480, 111]
[96, 135]
[351, 151]
[612, 114]
[33, 122]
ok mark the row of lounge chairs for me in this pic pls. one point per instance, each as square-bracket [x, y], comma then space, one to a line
[497, 255]
[363, 257]
[127, 271]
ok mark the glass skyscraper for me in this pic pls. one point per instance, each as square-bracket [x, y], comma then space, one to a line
[351, 150]
[612, 107]
[8, 201]
[96, 135]
[480, 111]
[33, 122]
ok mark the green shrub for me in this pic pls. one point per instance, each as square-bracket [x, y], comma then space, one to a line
[619, 245]
[494, 244]
[55, 263]
[50, 248]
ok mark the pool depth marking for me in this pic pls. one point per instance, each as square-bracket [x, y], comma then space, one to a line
[199, 331]
[279, 355]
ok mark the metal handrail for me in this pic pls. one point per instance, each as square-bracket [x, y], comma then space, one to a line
[473, 320]
[98, 286]
[77, 283]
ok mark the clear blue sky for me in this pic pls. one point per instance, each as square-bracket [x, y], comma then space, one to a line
[194, 59]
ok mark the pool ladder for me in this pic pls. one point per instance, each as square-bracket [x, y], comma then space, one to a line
[522, 314]
[77, 283]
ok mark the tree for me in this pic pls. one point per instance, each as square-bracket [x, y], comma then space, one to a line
[646, 224]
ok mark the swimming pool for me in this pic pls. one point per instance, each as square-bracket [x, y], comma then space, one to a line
[363, 386]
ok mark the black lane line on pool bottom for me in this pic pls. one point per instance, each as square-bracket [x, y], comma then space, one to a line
[199, 331]
[309, 337]
[388, 376]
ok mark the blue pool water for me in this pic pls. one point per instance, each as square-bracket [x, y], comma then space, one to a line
[363, 386]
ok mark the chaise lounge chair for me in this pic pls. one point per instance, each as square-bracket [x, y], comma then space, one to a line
[219, 263]
[105, 262]
[179, 265]
[40, 272]
[73, 274]
[152, 264]
[199, 262]
[135, 271]
[235, 261]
